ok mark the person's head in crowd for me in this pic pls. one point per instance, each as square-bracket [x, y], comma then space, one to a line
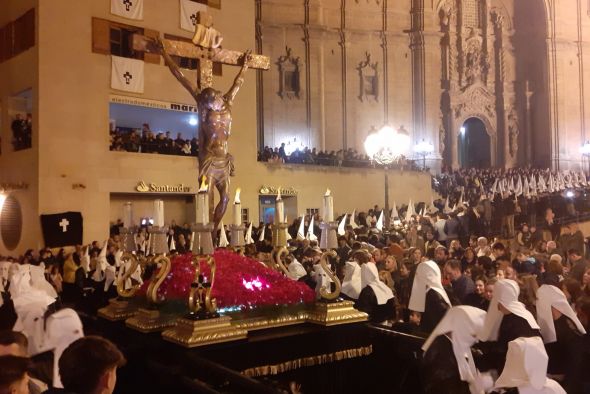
[498, 250]
[405, 268]
[541, 246]
[452, 270]
[467, 272]
[473, 241]
[385, 277]
[486, 264]
[361, 256]
[480, 285]
[390, 263]
[528, 290]
[416, 255]
[551, 246]
[378, 255]
[440, 255]
[574, 255]
[342, 241]
[89, 365]
[583, 311]
[469, 255]
[14, 378]
[429, 236]
[482, 242]
[489, 288]
[13, 343]
[572, 289]
[556, 257]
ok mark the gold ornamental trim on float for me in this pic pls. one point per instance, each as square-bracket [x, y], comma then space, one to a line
[271, 190]
[151, 187]
[13, 186]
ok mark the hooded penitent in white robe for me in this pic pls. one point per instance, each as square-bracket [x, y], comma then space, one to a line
[296, 270]
[427, 277]
[351, 285]
[462, 323]
[550, 296]
[370, 277]
[526, 368]
[506, 292]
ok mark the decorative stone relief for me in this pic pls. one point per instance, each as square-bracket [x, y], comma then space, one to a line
[513, 130]
[475, 100]
[474, 58]
[289, 75]
[442, 135]
[369, 78]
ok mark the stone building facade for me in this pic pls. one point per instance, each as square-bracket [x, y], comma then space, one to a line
[518, 68]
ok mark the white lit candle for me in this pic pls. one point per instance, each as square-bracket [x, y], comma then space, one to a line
[203, 203]
[279, 208]
[159, 213]
[127, 215]
[328, 207]
[237, 208]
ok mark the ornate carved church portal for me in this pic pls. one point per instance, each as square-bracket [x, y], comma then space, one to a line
[517, 65]
[475, 149]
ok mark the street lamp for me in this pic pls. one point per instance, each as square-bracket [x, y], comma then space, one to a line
[385, 147]
[424, 149]
[585, 151]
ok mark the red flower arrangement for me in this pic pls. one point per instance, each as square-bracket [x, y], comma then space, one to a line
[239, 282]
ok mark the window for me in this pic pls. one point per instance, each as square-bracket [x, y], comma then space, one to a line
[18, 36]
[113, 38]
[245, 215]
[289, 75]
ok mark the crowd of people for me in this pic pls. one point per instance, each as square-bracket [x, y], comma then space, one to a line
[341, 158]
[437, 272]
[22, 131]
[147, 141]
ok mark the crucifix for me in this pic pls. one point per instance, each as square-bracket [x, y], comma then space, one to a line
[214, 107]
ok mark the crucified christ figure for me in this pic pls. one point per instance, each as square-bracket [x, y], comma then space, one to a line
[214, 112]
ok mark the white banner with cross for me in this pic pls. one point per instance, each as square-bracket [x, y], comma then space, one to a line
[127, 74]
[131, 9]
[188, 14]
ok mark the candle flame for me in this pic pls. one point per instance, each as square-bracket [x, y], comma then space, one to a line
[328, 192]
[237, 198]
[204, 186]
[279, 194]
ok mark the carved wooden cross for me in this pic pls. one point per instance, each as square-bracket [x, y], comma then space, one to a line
[206, 56]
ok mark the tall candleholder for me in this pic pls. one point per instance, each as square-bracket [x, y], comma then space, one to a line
[329, 238]
[127, 236]
[203, 325]
[331, 310]
[203, 241]
[237, 236]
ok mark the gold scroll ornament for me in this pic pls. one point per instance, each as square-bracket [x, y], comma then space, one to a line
[199, 299]
[277, 257]
[128, 293]
[326, 293]
[152, 291]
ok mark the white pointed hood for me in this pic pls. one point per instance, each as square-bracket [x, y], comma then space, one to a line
[427, 277]
[310, 235]
[379, 224]
[353, 220]
[351, 284]
[462, 322]
[526, 368]
[223, 242]
[506, 292]
[550, 296]
[341, 226]
[248, 237]
[370, 277]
